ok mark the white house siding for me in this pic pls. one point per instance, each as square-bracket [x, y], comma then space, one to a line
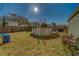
[10, 23]
[73, 26]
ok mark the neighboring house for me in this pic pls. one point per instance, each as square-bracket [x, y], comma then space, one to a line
[12, 23]
[14, 20]
[11, 20]
[73, 24]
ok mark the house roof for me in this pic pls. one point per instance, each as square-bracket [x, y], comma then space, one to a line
[74, 13]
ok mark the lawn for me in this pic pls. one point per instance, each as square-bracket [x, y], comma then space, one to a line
[23, 44]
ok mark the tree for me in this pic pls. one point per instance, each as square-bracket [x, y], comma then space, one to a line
[44, 25]
[3, 24]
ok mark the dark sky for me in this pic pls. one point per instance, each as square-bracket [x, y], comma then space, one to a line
[52, 12]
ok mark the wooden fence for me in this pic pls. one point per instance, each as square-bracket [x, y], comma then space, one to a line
[12, 29]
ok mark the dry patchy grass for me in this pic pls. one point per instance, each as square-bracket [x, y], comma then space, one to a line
[22, 44]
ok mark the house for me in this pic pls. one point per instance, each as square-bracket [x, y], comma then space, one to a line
[11, 25]
[73, 24]
[14, 23]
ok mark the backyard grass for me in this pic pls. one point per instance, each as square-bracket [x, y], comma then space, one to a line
[23, 44]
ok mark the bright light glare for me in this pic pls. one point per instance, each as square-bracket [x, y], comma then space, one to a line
[35, 9]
